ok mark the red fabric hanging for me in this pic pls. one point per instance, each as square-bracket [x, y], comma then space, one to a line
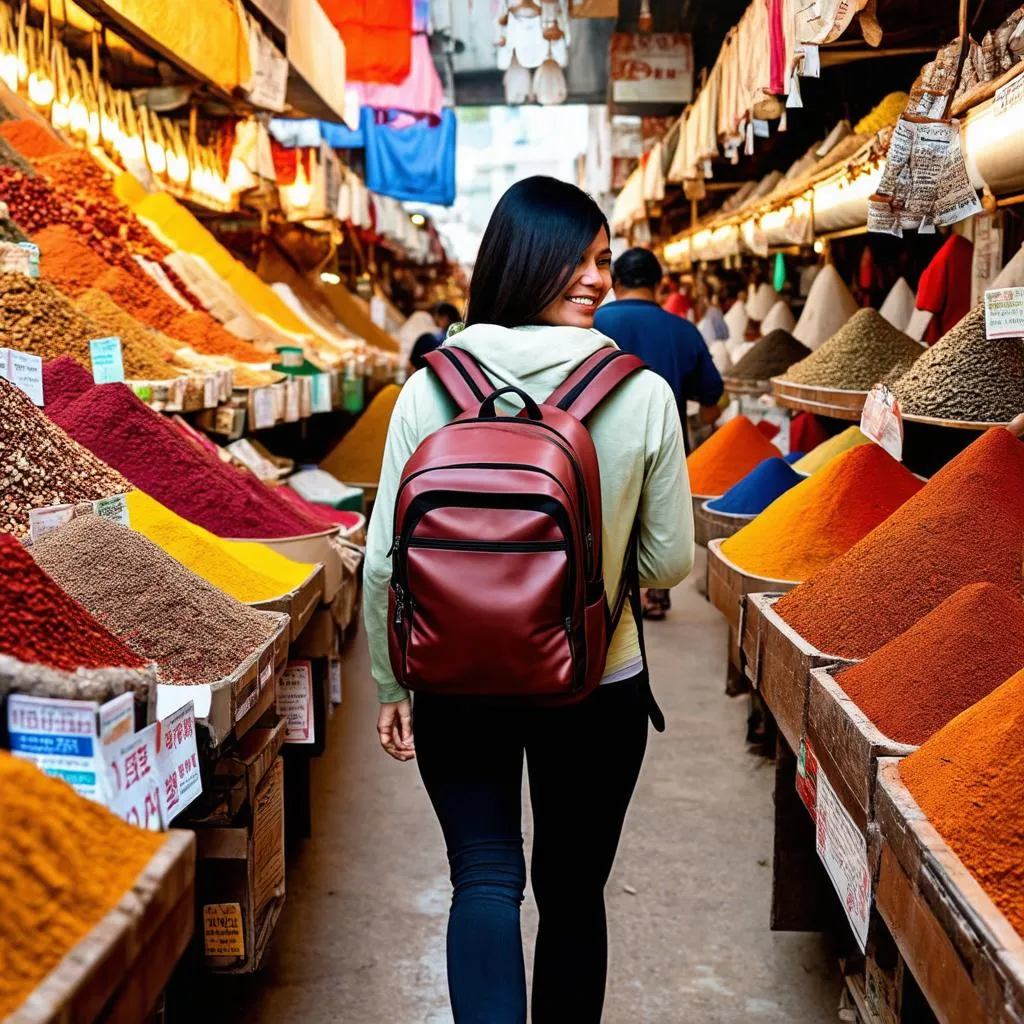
[945, 286]
[806, 433]
[377, 36]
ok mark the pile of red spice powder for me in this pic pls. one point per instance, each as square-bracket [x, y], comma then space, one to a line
[43, 625]
[338, 516]
[112, 423]
[947, 661]
[965, 526]
[31, 139]
[968, 779]
[64, 380]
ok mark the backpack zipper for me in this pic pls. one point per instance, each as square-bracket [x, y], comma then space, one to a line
[485, 545]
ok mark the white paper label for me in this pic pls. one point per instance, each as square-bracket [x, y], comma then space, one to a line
[42, 521]
[60, 737]
[135, 779]
[844, 852]
[379, 312]
[762, 130]
[334, 668]
[295, 702]
[178, 762]
[33, 258]
[794, 98]
[107, 365]
[262, 408]
[1007, 97]
[810, 65]
[882, 420]
[117, 719]
[1004, 313]
[25, 371]
[211, 391]
[13, 259]
[114, 508]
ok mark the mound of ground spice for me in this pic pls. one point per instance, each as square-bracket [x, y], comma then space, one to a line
[823, 516]
[722, 460]
[42, 624]
[64, 379]
[965, 526]
[37, 318]
[947, 661]
[824, 453]
[204, 334]
[773, 354]
[194, 632]
[968, 779]
[31, 138]
[40, 465]
[758, 489]
[340, 517]
[865, 350]
[965, 376]
[65, 863]
[358, 457]
[111, 422]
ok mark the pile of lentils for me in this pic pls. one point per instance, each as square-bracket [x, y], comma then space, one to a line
[775, 353]
[40, 465]
[867, 349]
[965, 377]
[194, 632]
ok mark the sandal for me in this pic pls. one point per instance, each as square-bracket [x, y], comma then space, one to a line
[652, 611]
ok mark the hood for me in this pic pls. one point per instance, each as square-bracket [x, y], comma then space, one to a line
[535, 359]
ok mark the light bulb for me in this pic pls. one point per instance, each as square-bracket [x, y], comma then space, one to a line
[40, 90]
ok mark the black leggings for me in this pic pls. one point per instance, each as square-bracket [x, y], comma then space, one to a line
[583, 762]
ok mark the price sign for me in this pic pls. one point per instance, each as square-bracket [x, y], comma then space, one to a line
[135, 780]
[114, 508]
[295, 702]
[177, 759]
[1004, 313]
[882, 421]
[107, 363]
[42, 521]
[25, 371]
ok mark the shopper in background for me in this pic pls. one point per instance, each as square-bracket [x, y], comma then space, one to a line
[445, 314]
[675, 298]
[670, 345]
[543, 269]
[425, 343]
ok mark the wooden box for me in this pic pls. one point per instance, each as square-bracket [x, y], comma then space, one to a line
[847, 745]
[241, 881]
[964, 954]
[709, 525]
[119, 969]
[299, 604]
[783, 668]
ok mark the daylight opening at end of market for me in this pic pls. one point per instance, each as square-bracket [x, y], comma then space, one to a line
[512, 510]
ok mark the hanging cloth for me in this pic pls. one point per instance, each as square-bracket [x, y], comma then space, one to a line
[420, 93]
[945, 286]
[414, 161]
[378, 37]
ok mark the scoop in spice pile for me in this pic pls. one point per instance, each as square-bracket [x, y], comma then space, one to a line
[943, 664]
[965, 526]
[194, 632]
[40, 465]
[727, 456]
[153, 454]
[772, 355]
[965, 377]
[69, 860]
[822, 517]
[43, 625]
[866, 350]
[968, 779]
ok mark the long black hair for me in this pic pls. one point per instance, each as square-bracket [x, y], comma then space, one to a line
[536, 236]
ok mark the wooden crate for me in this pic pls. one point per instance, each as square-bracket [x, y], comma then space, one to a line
[727, 584]
[847, 745]
[116, 973]
[782, 669]
[709, 525]
[697, 500]
[964, 954]
[299, 604]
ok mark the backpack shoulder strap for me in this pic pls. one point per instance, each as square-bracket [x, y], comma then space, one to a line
[460, 375]
[594, 380]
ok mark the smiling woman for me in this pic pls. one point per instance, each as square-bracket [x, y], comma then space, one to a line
[544, 258]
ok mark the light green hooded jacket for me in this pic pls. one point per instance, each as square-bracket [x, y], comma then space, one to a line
[640, 452]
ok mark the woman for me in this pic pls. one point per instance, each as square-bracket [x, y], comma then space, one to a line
[543, 269]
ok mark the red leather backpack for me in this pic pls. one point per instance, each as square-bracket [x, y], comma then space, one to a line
[497, 586]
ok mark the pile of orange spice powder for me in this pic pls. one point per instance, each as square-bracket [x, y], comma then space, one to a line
[727, 456]
[965, 526]
[968, 779]
[65, 862]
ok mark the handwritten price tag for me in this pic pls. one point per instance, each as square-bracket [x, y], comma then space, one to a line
[882, 421]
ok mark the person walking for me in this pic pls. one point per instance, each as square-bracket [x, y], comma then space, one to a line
[543, 268]
[669, 344]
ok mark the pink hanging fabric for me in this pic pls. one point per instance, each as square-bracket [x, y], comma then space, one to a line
[420, 93]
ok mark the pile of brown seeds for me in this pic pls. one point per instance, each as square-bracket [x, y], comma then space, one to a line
[37, 318]
[963, 376]
[194, 632]
[40, 465]
[773, 354]
[866, 350]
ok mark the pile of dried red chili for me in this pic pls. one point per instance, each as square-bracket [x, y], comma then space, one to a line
[42, 624]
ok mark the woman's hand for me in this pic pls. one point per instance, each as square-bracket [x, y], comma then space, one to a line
[394, 727]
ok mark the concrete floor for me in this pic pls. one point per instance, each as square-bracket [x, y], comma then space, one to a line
[361, 938]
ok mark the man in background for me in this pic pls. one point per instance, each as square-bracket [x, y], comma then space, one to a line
[668, 344]
[445, 314]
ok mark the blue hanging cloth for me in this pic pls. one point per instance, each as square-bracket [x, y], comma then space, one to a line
[408, 158]
[309, 133]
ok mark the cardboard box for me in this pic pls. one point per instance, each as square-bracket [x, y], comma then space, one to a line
[240, 878]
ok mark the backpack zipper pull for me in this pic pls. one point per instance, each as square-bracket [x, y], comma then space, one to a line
[399, 604]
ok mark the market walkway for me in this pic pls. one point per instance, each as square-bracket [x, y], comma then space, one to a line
[361, 940]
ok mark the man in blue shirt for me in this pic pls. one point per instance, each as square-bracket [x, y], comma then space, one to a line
[668, 344]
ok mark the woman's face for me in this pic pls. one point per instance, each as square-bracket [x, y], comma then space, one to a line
[586, 289]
